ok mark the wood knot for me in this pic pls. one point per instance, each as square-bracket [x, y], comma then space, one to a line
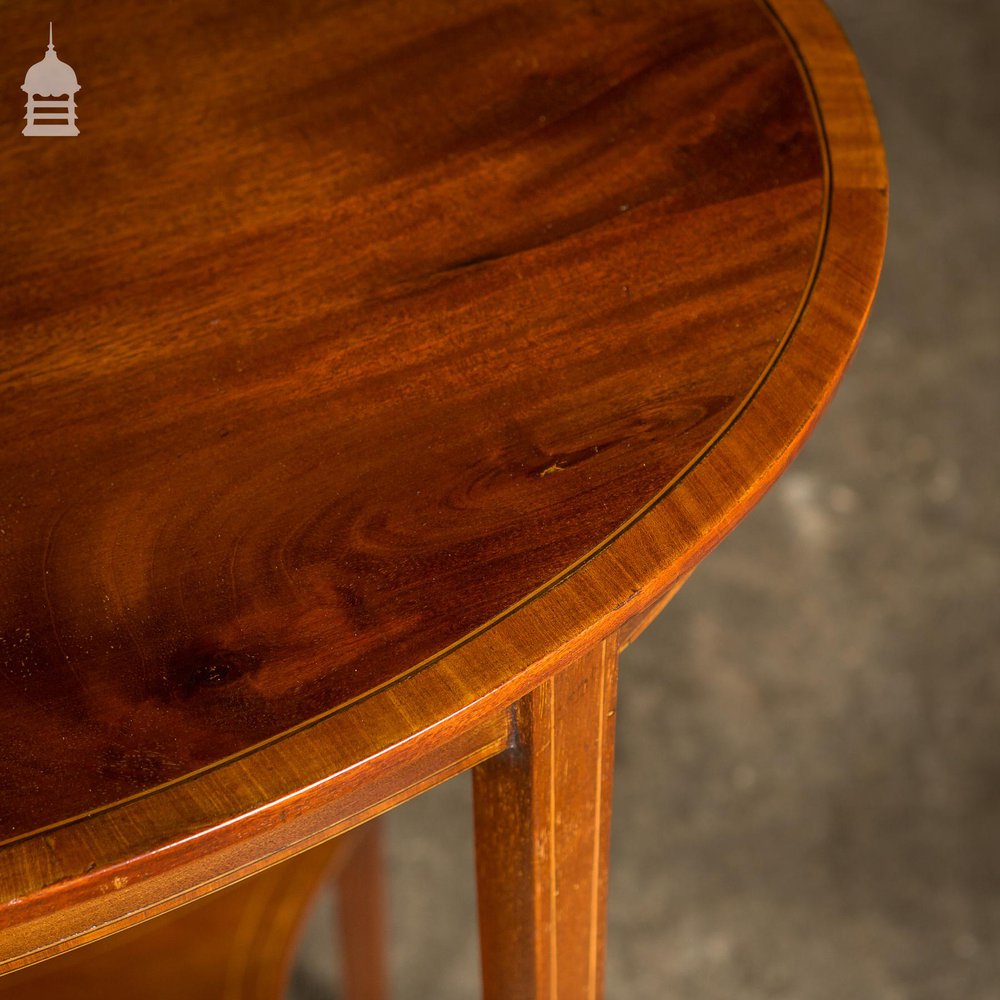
[196, 670]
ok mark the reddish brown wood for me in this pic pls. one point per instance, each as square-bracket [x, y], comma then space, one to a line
[331, 431]
[235, 944]
[543, 821]
[360, 893]
[299, 803]
[424, 303]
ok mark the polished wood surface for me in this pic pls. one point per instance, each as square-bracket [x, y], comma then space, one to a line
[338, 351]
[77, 884]
[362, 367]
[543, 826]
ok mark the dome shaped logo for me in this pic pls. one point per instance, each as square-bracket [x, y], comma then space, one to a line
[51, 86]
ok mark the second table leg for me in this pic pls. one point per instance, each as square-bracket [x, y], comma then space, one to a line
[543, 817]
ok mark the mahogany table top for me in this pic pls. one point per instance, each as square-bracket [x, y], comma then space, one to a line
[354, 344]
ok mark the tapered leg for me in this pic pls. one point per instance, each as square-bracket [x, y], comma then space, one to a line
[359, 896]
[543, 813]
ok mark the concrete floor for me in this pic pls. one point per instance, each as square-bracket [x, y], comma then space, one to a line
[807, 800]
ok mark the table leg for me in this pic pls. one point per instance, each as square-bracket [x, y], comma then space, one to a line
[542, 817]
[360, 890]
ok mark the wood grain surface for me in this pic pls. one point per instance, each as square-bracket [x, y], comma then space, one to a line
[338, 351]
[362, 365]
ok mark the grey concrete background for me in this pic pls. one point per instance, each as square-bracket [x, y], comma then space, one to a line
[807, 800]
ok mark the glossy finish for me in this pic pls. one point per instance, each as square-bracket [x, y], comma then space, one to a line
[383, 360]
[323, 389]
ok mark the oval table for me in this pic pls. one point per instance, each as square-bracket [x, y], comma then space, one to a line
[370, 375]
